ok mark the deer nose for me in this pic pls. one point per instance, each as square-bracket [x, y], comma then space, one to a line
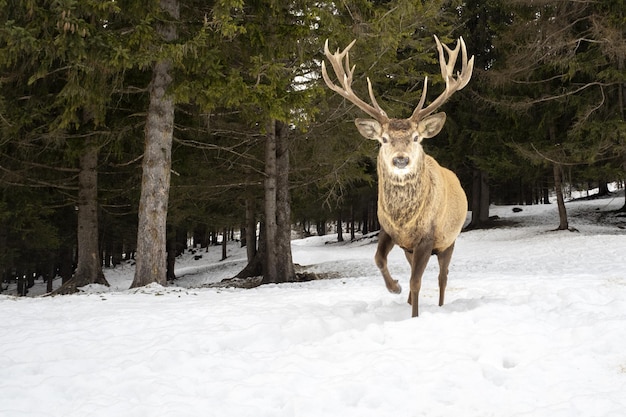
[400, 161]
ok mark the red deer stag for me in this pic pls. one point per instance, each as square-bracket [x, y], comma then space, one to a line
[421, 205]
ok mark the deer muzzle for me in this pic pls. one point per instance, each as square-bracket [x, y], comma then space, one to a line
[400, 162]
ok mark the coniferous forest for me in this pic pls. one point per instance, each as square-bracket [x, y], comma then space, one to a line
[129, 129]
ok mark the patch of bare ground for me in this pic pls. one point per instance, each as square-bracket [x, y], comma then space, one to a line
[302, 275]
[494, 222]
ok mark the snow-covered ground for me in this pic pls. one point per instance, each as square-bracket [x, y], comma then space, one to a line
[534, 325]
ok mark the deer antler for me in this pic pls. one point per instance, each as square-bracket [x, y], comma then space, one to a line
[452, 84]
[344, 75]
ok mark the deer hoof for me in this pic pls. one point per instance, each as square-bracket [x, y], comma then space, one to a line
[397, 289]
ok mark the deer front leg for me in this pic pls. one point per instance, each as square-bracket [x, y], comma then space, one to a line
[385, 244]
[444, 260]
[421, 254]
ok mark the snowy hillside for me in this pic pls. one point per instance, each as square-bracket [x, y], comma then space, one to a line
[534, 325]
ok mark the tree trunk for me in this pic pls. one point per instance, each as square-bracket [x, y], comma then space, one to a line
[339, 227]
[4, 268]
[171, 246]
[270, 273]
[546, 195]
[243, 235]
[22, 291]
[254, 268]
[278, 260]
[250, 229]
[286, 268]
[49, 282]
[352, 233]
[374, 223]
[107, 252]
[157, 160]
[365, 219]
[558, 186]
[320, 227]
[623, 208]
[224, 240]
[603, 188]
[89, 267]
[480, 199]
[622, 108]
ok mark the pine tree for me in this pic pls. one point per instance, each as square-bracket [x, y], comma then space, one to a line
[475, 135]
[58, 85]
[174, 51]
[151, 236]
[556, 74]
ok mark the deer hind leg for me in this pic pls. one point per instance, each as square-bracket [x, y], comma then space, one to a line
[421, 255]
[409, 258]
[385, 244]
[444, 260]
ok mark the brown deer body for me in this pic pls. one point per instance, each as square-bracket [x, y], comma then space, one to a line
[421, 205]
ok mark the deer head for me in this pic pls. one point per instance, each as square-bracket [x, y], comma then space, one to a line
[401, 150]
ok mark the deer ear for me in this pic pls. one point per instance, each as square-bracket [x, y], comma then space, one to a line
[431, 125]
[369, 129]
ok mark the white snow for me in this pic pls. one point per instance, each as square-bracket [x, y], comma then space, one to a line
[534, 325]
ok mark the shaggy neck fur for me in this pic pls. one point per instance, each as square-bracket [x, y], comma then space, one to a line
[401, 199]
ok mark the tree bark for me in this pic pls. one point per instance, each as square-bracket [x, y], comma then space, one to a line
[286, 268]
[558, 186]
[622, 107]
[546, 195]
[270, 268]
[157, 160]
[250, 229]
[4, 268]
[224, 243]
[365, 225]
[171, 246]
[273, 259]
[278, 260]
[603, 188]
[339, 227]
[89, 267]
[480, 199]
[254, 268]
[320, 227]
[352, 233]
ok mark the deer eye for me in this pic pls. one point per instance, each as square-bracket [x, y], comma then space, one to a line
[416, 138]
[385, 139]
